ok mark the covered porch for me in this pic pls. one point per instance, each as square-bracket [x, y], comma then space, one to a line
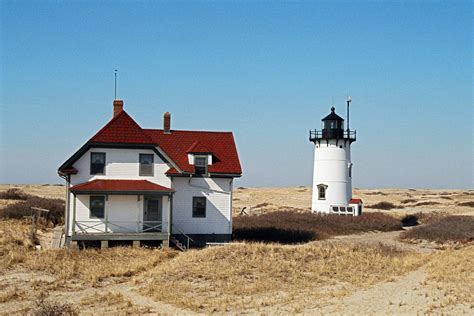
[121, 210]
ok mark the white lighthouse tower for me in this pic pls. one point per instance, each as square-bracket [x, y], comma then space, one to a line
[332, 174]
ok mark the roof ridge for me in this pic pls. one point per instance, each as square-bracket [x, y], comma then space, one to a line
[186, 130]
[115, 118]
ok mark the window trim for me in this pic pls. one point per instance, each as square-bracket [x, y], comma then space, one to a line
[324, 187]
[140, 172]
[90, 206]
[205, 206]
[206, 164]
[105, 163]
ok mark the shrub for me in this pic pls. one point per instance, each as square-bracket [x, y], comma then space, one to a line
[18, 210]
[469, 203]
[45, 308]
[427, 203]
[408, 201]
[14, 194]
[449, 228]
[410, 220]
[384, 206]
[296, 227]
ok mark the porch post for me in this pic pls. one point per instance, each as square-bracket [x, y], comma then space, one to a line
[138, 214]
[67, 215]
[74, 215]
[106, 213]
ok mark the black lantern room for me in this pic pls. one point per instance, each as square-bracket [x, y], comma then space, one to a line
[332, 128]
[333, 125]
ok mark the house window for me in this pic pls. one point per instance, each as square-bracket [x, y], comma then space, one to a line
[199, 206]
[200, 164]
[97, 163]
[322, 192]
[146, 165]
[97, 206]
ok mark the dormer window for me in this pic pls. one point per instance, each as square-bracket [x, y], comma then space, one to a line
[200, 165]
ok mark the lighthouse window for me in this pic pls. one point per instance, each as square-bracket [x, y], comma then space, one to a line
[350, 170]
[321, 192]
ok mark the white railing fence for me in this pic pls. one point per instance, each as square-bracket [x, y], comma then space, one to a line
[103, 226]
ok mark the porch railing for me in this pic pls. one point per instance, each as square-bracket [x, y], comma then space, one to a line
[103, 226]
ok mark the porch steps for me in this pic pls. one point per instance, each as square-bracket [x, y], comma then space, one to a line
[178, 244]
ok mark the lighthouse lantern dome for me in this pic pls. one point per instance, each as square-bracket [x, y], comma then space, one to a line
[332, 125]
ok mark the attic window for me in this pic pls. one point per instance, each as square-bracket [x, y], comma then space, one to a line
[97, 163]
[146, 164]
[200, 164]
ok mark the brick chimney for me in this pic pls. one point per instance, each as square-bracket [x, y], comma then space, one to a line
[167, 123]
[118, 107]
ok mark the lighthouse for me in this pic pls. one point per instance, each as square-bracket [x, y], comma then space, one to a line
[332, 173]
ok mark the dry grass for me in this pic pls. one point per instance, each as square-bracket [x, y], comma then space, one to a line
[49, 191]
[451, 272]
[460, 201]
[91, 266]
[445, 229]
[290, 227]
[21, 203]
[255, 276]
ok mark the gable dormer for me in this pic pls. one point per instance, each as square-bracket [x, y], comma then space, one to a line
[200, 157]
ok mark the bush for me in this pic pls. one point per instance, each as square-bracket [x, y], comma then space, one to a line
[18, 210]
[469, 203]
[445, 229]
[44, 308]
[384, 206]
[292, 227]
[14, 194]
[427, 203]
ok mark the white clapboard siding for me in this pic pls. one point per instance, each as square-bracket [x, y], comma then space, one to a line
[124, 213]
[120, 163]
[218, 205]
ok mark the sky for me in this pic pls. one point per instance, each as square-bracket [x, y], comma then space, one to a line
[267, 71]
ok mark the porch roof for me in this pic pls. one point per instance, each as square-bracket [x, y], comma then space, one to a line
[120, 187]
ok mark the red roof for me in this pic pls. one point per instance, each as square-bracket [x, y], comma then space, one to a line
[178, 143]
[355, 201]
[99, 185]
[198, 148]
[121, 129]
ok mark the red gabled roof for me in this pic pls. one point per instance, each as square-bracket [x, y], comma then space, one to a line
[178, 143]
[355, 201]
[121, 129]
[100, 185]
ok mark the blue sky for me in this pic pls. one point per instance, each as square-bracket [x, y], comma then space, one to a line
[268, 71]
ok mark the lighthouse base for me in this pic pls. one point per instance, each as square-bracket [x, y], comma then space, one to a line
[352, 209]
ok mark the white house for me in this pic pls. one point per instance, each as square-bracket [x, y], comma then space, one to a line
[332, 173]
[135, 184]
